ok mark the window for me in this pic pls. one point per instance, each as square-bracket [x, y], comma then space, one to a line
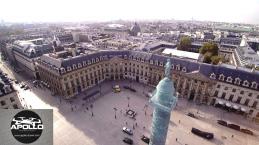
[223, 95]
[250, 94]
[15, 106]
[234, 90]
[254, 104]
[254, 85]
[212, 76]
[221, 77]
[246, 83]
[218, 86]
[12, 99]
[231, 97]
[229, 79]
[226, 88]
[241, 92]
[246, 102]
[238, 99]
[3, 103]
[216, 93]
[237, 81]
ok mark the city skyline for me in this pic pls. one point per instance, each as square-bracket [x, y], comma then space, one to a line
[78, 10]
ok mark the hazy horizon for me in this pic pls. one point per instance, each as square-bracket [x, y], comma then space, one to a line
[98, 10]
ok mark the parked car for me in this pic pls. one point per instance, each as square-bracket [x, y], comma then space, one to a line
[145, 139]
[116, 89]
[191, 115]
[16, 82]
[206, 135]
[127, 130]
[26, 87]
[222, 122]
[247, 131]
[22, 85]
[128, 140]
[234, 126]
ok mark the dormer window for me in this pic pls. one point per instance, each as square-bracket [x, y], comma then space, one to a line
[134, 58]
[246, 83]
[172, 66]
[221, 77]
[68, 68]
[184, 69]
[84, 63]
[125, 56]
[131, 57]
[63, 70]
[237, 81]
[178, 67]
[74, 66]
[156, 62]
[138, 59]
[151, 61]
[89, 62]
[213, 76]
[254, 85]
[229, 79]
[97, 60]
[93, 60]
[79, 65]
[142, 60]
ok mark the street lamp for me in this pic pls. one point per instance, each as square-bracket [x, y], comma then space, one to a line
[115, 109]
[128, 100]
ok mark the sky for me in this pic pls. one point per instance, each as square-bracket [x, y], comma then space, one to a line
[244, 11]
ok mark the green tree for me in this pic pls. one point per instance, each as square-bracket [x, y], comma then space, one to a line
[215, 59]
[207, 57]
[185, 43]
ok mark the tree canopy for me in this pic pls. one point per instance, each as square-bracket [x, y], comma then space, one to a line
[185, 43]
[210, 52]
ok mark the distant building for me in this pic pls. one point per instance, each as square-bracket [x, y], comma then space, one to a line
[26, 52]
[64, 39]
[135, 29]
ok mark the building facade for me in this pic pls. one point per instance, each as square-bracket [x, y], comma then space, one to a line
[68, 76]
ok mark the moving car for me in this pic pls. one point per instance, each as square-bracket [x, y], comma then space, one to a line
[128, 140]
[145, 139]
[206, 135]
[191, 115]
[222, 122]
[116, 89]
[127, 130]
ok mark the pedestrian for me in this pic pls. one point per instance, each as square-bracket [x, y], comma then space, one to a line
[136, 124]
[179, 121]
[126, 123]
[87, 108]
[176, 139]
[144, 127]
[232, 136]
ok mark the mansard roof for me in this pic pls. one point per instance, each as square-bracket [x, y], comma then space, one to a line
[205, 69]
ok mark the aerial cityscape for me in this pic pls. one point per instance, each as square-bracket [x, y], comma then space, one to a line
[178, 80]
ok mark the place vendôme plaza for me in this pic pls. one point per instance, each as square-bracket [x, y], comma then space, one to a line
[178, 70]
